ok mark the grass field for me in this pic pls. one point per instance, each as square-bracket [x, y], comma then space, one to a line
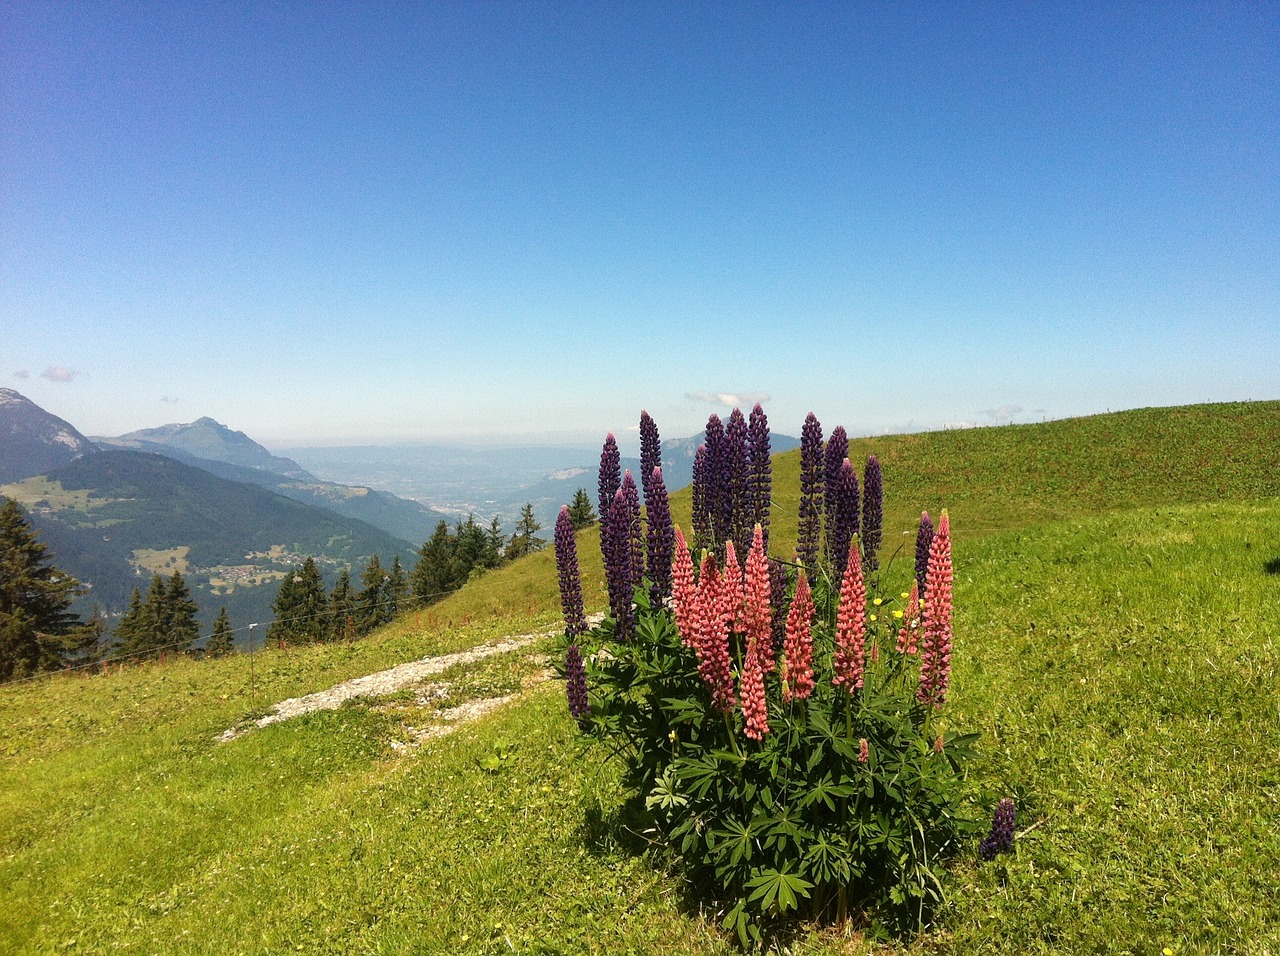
[1120, 662]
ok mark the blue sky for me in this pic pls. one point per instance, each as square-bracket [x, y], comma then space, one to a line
[345, 222]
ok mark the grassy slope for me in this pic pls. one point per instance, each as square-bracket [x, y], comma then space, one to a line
[1121, 669]
[992, 479]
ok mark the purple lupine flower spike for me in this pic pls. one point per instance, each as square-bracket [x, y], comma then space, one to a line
[661, 540]
[836, 452]
[575, 675]
[735, 460]
[778, 601]
[650, 452]
[701, 507]
[811, 488]
[575, 621]
[924, 538]
[610, 474]
[842, 521]
[717, 502]
[1000, 839]
[760, 476]
[615, 542]
[635, 537]
[872, 513]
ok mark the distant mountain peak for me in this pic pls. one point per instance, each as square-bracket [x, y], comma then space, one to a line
[208, 438]
[33, 441]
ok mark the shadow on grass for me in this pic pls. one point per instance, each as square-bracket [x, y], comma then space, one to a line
[1272, 566]
[629, 829]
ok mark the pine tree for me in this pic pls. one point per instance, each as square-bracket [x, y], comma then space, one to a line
[311, 605]
[524, 541]
[222, 640]
[342, 604]
[138, 634]
[37, 631]
[397, 588]
[301, 607]
[284, 610]
[431, 576]
[493, 540]
[129, 629]
[581, 514]
[470, 550]
[180, 626]
[372, 603]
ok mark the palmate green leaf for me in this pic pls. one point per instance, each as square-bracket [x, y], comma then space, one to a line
[666, 795]
[825, 791]
[828, 859]
[734, 842]
[739, 920]
[778, 890]
[680, 711]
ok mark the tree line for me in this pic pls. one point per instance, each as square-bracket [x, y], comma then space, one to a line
[38, 631]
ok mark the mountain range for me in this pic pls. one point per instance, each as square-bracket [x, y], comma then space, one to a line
[115, 511]
[233, 518]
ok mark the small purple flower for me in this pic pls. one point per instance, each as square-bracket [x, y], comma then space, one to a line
[650, 451]
[661, 540]
[811, 489]
[924, 538]
[575, 621]
[1000, 839]
[872, 513]
[610, 473]
[575, 674]
[760, 471]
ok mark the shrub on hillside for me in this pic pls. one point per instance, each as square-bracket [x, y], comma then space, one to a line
[781, 721]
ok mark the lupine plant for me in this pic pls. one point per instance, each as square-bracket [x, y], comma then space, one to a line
[782, 722]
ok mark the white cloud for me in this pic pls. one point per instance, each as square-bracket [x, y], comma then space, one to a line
[58, 373]
[729, 399]
[166, 400]
[22, 373]
[1002, 414]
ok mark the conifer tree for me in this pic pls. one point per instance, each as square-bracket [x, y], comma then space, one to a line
[284, 610]
[37, 631]
[431, 576]
[311, 605]
[138, 632]
[373, 600]
[301, 608]
[342, 603]
[397, 588]
[493, 543]
[180, 626]
[163, 623]
[222, 640]
[581, 514]
[129, 629]
[524, 540]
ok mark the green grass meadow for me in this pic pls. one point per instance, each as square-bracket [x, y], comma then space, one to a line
[1119, 654]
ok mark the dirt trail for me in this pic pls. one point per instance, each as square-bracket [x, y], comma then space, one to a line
[393, 679]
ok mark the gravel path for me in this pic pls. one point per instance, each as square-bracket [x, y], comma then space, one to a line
[391, 680]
